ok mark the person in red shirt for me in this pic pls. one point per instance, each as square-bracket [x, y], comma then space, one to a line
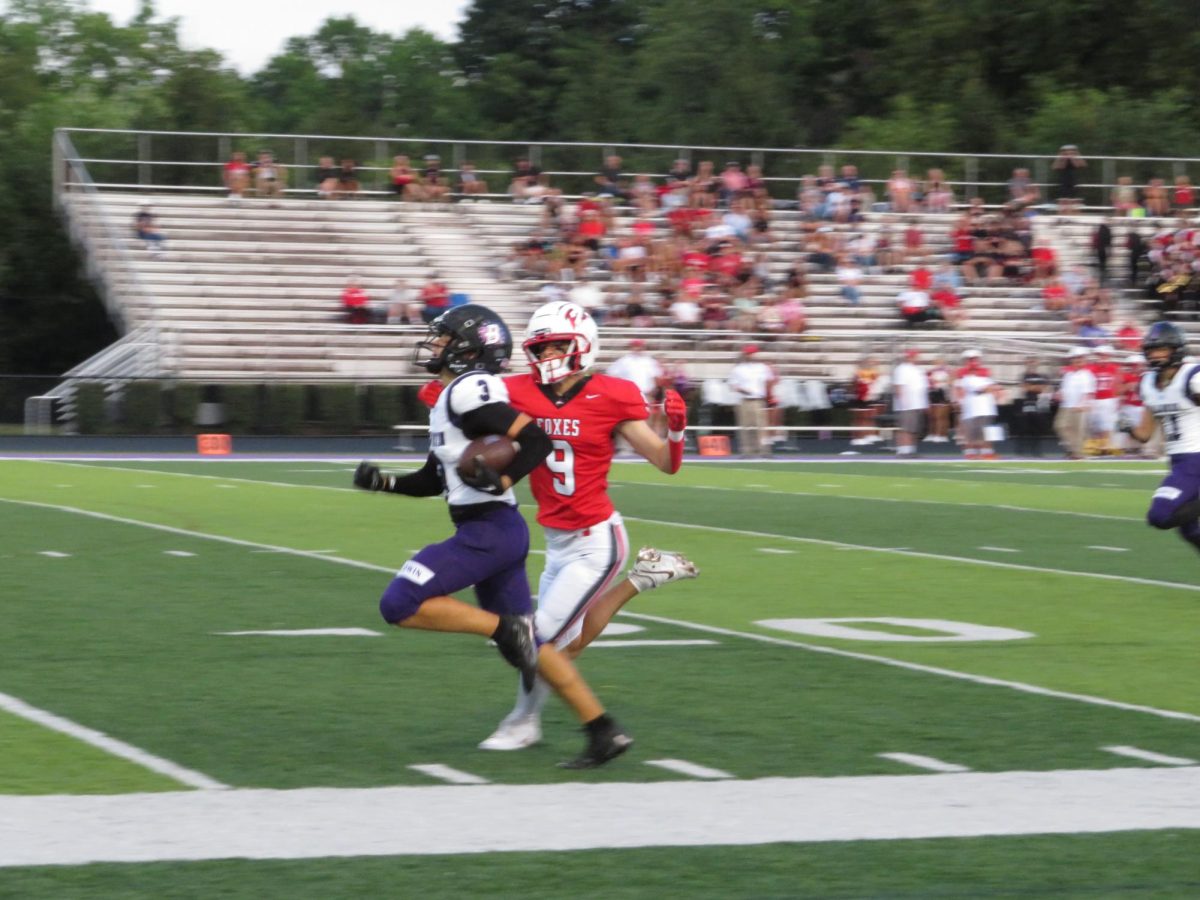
[434, 298]
[586, 545]
[1104, 405]
[236, 175]
[356, 303]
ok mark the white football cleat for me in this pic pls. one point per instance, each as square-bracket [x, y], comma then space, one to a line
[654, 567]
[514, 734]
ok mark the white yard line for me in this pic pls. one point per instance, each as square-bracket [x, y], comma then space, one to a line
[446, 773]
[639, 642]
[692, 770]
[102, 741]
[307, 632]
[444, 819]
[53, 554]
[776, 550]
[919, 667]
[924, 762]
[1150, 756]
[1108, 549]
[998, 549]
[816, 648]
[177, 553]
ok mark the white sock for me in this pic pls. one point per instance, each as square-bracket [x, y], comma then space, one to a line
[530, 704]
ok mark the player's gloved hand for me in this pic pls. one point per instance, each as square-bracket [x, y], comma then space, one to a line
[369, 478]
[430, 392]
[484, 478]
[676, 410]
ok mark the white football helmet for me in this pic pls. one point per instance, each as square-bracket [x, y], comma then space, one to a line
[561, 321]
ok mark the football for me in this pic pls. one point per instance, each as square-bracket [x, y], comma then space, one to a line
[496, 449]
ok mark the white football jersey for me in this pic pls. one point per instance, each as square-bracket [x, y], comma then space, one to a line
[447, 441]
[1174, 408]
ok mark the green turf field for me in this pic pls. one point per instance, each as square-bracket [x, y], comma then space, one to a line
[124, 581]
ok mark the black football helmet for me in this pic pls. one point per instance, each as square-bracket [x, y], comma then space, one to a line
[1164, 334]
[478, 340]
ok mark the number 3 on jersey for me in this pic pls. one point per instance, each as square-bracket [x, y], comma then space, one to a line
[561, 462]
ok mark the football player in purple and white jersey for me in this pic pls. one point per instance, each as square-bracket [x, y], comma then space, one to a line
[1170, 391]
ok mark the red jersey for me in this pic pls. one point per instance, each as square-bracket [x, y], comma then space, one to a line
[1108, 375]
[1131, 394]
[571, 485]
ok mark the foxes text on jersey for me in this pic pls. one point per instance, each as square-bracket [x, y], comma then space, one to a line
[571, 486]
[1174, 408]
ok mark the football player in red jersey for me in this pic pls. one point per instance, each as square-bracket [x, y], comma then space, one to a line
[1105, 406]
[583, 413]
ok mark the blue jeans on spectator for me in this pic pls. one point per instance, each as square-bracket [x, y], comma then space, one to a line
[851, 293]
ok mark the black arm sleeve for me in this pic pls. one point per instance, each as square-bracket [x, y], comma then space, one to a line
[425, 482]
[497, 418]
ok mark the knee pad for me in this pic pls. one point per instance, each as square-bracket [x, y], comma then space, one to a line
[401, 599]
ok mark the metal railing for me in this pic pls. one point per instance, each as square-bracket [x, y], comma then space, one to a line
[192, 161]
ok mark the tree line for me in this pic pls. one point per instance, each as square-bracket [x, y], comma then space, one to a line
[970, 76]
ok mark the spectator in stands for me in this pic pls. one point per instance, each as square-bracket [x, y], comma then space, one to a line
[822, 249]
[145, 227]
[434, 298]
[326, 178]
[1136, 254]
[1075, 393]
[987, 263]
[643, 194]
[403, 308]
[751, 381]
[526, 185]
[916, 307]
[1069, 165]
[685, 311]
[404, 180]
[1129, 337]
[734, 184]
[938, 196]
[347, 180]
[792, 313]
[705, 186]
[1183, 197]
[269, 176]
[1124, 196]
[588, 295]
[674, 193]
[236, 175]
[434, 186]
[900, 190]
[1022, 192]
[1102, 238]
[356, 303]
[609, 182]
[914, 241]
[1155, 198]
[468, 183]
[756, 189]
[850, 279]
[910, 401]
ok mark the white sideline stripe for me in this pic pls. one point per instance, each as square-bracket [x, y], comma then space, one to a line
[145, 485]
[648, 643]
[308, 632]
[683, 767]
[288, 551]
[774, 550]
[916, 554]
[815, 648]
[102, 741]
[924, 762]
[53, 554]
[999, 549]
[1150, 756]
[178, 553]
[919, 667]
[444, 819]
[1109, 549]
[446, 773]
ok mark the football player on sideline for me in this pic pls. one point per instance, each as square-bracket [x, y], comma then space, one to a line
[586, 545]
[1170, 393]
[467, 348]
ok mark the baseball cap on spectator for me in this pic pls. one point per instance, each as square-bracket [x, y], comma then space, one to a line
[912, 353]
[1105, 350]
[1076, 352]
[750, 349]
[971, 354]
[637, 344]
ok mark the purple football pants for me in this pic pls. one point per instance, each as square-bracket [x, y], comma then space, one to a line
[487, 552]
[1179, 488]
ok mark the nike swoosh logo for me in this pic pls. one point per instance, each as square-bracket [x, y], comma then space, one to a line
[590, 396]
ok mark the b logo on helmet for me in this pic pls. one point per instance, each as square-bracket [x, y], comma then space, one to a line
[491, 333]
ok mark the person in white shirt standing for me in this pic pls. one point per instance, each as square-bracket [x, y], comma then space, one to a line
[751, 380]
[643, 370]
[910, 400]
[1075, 394]
[976, 394]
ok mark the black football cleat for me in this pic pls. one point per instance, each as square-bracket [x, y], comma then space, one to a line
[603, 745]
[514, 638]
